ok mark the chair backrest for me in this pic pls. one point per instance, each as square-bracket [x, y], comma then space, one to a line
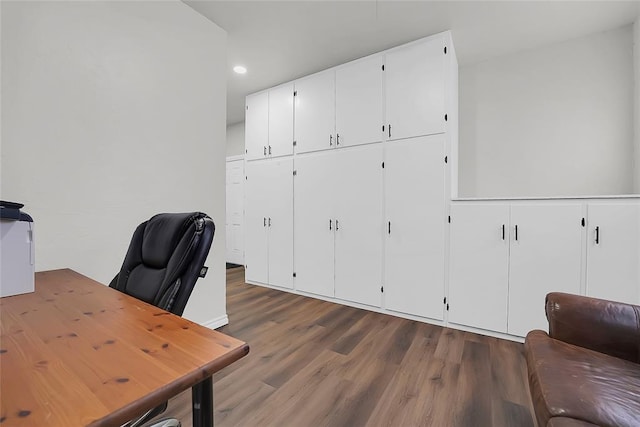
[165, 258]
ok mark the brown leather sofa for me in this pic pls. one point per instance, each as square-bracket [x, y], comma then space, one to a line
[586, 371]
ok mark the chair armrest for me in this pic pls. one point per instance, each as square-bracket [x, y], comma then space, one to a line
[604, 326]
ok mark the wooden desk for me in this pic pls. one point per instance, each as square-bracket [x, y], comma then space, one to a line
[76, 352]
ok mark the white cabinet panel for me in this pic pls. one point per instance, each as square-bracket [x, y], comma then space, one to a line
[358, 233]
[613, 258]
[359, 102]
[314, 223]
[256, 237]
[479, 266]
[545, 257]
[280, 221]
[415, 228]
[415, 82]
[235, 211]
[256, 126]
[281, 120]
[315, 112]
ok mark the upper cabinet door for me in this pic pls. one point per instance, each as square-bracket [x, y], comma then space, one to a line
[613, 251]
[359, 102]
[257, 126]
[415, 81]
[281, 121]
[315, 112]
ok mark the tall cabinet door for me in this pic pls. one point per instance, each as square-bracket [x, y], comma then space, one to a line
[359, 102]
[358, 234]
[545, 257]
[315, 112]
[314, 223]
[415, 81]
[256, 234]
[256, 126]
[415, 228]
[479, 266]
[281, 120]
[280, 221]
[613, 251]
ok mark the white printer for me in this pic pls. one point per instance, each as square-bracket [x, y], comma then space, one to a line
[17, 250]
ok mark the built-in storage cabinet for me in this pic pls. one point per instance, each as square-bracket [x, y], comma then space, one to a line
[613, 251]
[269, 222]
[256, 126]
[415, 88]
[280, 121]
[415, 226]
[359, 105]
[314, 127]
[479, 265]
[545, 256]
[338, 227]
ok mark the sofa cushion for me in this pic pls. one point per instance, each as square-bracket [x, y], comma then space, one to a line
[568, 422]
[574, 382]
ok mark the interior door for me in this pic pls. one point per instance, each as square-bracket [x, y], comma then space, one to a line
[479, 265]
[359, 102]
[358, 234]
[256, 236]
[315, 112]
[256, 127]
[613, 251]
[415, 81]
[314, 223]
[545, 257]
[415, 227]
[281, 120]
[280, 221]
[235, 211]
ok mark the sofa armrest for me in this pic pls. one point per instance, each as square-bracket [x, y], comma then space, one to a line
[604, 326]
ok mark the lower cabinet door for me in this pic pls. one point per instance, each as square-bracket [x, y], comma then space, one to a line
[613, 251]
[280, 221]
[479, 265]
[415, 226]
[314, 223]
[358, 234]
[545, 257]
[256, 231]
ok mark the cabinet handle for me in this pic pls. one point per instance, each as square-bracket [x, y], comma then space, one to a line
[331, 140]
[269, 222]
[503, 230]
[330, 225]
[337, 139]
[389, 227]
[269, 150]
[264, 222]
[389, 131]
[337, 226]
[516, 232]
[597, 235]
[264, 151]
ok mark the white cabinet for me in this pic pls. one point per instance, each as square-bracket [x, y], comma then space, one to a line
[314, 223]
[479, 265]
[280, 121]
[415, 226]
[613, 251]
[269, 222]
[546, 242]
[415, 88]
[358, 224]
[314, 127]
[359, 102]
[506, 258]
[256, 126]
[235, 211]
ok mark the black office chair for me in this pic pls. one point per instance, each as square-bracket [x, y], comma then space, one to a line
[165, 259]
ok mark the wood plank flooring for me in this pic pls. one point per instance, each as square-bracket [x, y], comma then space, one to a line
[314, 363]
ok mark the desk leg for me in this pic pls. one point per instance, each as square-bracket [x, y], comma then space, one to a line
[202, 403]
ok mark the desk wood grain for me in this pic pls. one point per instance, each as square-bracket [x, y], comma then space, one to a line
[76, 352]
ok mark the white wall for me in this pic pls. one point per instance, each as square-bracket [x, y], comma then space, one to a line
[235, 139]
[112, 112]
[636, 74]
[552, 121]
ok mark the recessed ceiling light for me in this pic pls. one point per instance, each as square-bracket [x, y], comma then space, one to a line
[239, 69]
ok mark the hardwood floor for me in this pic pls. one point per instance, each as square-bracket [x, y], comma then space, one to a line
[314, 363]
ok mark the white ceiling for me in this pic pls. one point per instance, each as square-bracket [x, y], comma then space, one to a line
[279, 41]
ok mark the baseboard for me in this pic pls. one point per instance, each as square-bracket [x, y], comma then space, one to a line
[217, 322]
